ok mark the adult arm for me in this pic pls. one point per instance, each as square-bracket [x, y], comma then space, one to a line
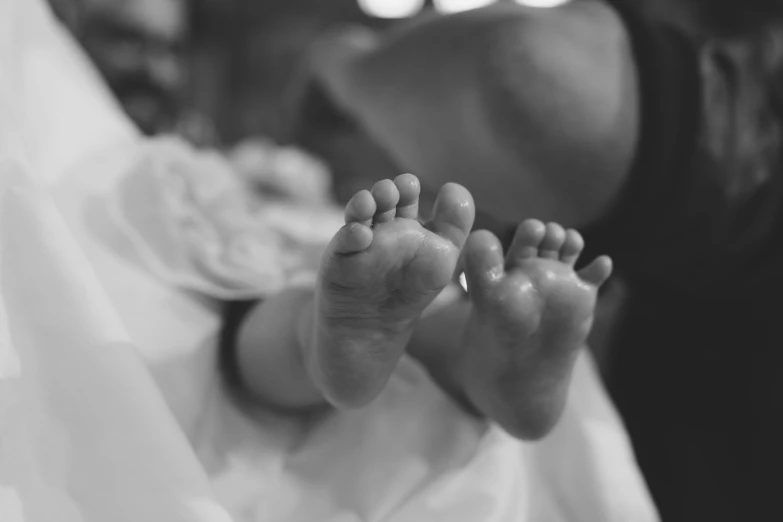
[534, 110]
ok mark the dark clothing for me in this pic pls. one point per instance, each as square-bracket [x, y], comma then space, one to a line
[696, 368]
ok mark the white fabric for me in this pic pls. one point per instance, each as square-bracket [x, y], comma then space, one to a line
[109, 403]
[199, 225]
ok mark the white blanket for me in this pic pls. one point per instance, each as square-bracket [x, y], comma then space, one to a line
[110, 407]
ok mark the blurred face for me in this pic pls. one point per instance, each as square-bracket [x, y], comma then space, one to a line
[163, 19]
[135, 44]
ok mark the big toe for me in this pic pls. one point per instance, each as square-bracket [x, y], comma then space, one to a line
[597, 272]
[483, 260]
[453, 214]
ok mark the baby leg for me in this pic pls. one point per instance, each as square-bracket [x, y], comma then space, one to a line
[380, 271]
[341, 342]
[531, 314]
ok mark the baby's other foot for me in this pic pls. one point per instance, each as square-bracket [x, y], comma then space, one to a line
[531, 313]
[379, 273]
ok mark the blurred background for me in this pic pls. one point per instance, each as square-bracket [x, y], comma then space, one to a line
[226, 72]
[220, 72]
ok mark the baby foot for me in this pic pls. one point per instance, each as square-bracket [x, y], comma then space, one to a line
[531, 314]
[379, 273]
